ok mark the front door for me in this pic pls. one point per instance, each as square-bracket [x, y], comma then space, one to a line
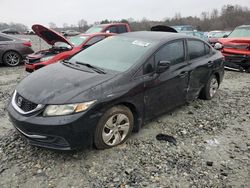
[167, 90]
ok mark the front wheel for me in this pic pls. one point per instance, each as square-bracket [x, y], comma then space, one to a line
[114, 127]
[210, 88]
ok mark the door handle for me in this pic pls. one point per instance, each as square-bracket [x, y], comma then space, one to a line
[210, 63]
[183, 74]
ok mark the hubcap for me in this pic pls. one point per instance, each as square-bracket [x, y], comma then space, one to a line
[12, 59]
[213, 87]
[116, 129]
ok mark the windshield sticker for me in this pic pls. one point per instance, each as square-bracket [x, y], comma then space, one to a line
[141, 43]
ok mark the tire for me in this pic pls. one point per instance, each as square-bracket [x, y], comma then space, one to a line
[11, 58]
[110, 131]
[210, 88]
[247, 70]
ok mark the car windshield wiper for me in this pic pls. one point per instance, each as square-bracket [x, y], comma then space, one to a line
[96, 69]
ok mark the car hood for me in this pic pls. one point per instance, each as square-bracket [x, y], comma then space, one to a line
[49, 35]
[60, 84]
[235, 41]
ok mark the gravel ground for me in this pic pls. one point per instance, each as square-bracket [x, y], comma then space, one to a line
[213, 147]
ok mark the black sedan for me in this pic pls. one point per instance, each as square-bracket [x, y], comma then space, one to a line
[13, 50]
[102, 94]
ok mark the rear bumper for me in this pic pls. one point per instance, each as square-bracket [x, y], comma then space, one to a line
[60, 133]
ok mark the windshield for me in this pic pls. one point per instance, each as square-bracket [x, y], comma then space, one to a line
[76, 41]
[94, 29]
[114, 53]
[240, 32]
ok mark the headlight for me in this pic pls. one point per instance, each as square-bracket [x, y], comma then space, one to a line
[46, 58]
[218, 46]
[59, 110]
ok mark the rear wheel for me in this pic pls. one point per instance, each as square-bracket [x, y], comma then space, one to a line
[114, 127]
[11, 58]
[210, 88]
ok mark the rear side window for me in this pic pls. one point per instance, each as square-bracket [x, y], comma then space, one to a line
[122, 29]
[196, 49]
[173, 52]
[95, 40]
[2, 39]
[112, 29]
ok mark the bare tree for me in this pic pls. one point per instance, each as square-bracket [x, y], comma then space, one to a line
[52, 25]
[82, 24]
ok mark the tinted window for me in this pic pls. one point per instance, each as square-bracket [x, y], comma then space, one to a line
[196, 49]
[173, 52]
[4, 39]
[122, 29]
[95, 40]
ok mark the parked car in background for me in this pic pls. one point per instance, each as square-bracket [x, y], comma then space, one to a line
[198, 34]
[181, 28]
[101, 94]
[29, 32]
[13, 50]
[236, 48]
[109, 28]
[62, 47]
[213, 37]
[11, 31]
[70, 33]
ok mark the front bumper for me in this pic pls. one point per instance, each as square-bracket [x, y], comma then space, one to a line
[32, 67]
[241, 62]
[60, 132]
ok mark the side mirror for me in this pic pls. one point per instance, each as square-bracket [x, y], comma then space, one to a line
[162, 66]
[218, 46]
[225, 36]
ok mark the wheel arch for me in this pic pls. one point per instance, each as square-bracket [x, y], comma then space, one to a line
[10, 50]
[217, 75]
[136, 114]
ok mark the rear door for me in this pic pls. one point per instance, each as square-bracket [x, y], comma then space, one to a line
[166, 90]
[4, 43]
[200, 66]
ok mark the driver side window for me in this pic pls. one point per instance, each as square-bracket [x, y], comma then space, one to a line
[173, 52]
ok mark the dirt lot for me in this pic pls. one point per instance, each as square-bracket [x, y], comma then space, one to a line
[213, 147]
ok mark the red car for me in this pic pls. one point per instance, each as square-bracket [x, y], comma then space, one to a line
[110, 28]
[62, 48]
[236, 48]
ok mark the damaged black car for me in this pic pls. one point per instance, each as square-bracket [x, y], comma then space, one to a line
[102, 94]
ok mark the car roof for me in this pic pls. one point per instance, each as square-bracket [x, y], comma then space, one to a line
[241, 26]
[108, 24]
[96, 34]
[155, 36]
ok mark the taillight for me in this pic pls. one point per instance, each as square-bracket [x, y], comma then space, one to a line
[27, 44]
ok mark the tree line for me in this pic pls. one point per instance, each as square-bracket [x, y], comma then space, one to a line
[227, 18]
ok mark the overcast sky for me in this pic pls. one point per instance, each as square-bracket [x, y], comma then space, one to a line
[29, 12]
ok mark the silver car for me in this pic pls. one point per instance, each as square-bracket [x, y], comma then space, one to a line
[13, 50]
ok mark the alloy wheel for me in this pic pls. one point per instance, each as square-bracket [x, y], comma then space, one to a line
[12, 59]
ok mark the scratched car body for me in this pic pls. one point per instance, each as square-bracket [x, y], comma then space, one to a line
[102, 94]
